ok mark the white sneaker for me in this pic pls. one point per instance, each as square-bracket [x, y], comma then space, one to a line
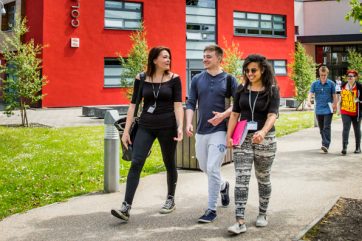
[237, 228]
[261, 221]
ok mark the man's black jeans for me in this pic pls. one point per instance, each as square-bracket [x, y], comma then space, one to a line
[324, 123]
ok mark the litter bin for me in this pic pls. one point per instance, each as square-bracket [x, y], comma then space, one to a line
[185, 152]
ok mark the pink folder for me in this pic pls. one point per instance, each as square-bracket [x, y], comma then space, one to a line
[240, 132]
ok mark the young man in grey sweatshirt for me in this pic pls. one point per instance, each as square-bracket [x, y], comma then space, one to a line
[208, 91]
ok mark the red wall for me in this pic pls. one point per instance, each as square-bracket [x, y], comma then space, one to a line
[271, 48]
[76, 75]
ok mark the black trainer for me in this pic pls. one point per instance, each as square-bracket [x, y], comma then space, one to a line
[225, 199]
[123, 213]
[169, 205]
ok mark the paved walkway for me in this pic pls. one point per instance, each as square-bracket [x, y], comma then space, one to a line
[304, 181]
[54, 117]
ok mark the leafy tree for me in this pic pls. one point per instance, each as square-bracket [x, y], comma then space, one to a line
[232, 60]
[136, 61]
[355, 62]
[302, 73]
[23, 84]
[356, 11]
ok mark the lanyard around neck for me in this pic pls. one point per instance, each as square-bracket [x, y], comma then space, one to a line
[159, 87]
[351, 87]
[252, 108]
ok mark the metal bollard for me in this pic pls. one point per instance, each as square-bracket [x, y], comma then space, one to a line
[111, 152]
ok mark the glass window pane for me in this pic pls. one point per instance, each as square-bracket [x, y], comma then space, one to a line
[200, 19]
[111, 23]
[278, 18]
[112, 70]
[279, 63]
[132, 24]
[122, 14]
[280, 70]
[209, 36]
[194, 36]
[240, 30]
[132, 6]
[266, 17]
[266, 32]
[252, 16]
[201, 3]
[253, 31]
[208, 28]
[278, 26]
[112, 4]
[193, 27]
[111, 81]
[279, 33]
[265, 24]
[246, 23]
[326, 49]
[337, 48]
[239, 15]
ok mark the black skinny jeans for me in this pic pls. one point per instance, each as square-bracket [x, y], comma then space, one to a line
[347, 120]
[141, 147]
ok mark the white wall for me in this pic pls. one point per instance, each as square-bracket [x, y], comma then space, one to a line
[327, 18]
[299, 16]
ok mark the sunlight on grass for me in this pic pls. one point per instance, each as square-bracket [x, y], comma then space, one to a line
[39, 166]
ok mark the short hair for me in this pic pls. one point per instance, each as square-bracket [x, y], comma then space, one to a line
[323, 69]
[213, 47]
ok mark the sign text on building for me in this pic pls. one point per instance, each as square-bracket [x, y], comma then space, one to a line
[75, 13]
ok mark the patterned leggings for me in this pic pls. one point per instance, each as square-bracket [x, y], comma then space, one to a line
[262, 155]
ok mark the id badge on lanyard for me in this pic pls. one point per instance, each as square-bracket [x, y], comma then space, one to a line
[252, 125]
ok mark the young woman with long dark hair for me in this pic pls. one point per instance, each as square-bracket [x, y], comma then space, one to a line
[257, 101]
[161, 118]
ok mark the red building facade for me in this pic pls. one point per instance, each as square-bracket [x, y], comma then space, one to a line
[77, 74]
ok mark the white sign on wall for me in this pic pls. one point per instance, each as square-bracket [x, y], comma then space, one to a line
[74, 42]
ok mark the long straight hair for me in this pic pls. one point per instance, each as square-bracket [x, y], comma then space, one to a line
[267, 77]
[152, 55]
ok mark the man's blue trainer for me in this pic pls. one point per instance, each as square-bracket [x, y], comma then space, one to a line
[208, 217]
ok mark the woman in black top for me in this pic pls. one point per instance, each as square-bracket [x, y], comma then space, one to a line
[161, 118]
[257, 101]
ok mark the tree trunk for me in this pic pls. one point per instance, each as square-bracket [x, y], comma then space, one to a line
[26, 118]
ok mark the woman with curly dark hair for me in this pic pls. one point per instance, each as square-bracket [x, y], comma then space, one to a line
[257, 101]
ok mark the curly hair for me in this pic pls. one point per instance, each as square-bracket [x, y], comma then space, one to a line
[267, 77]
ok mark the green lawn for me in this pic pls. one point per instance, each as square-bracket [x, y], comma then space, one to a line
[293, 121]
[39, 166]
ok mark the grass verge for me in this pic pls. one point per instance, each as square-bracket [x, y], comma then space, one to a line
[39, 166]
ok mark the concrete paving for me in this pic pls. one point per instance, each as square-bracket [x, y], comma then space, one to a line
[53, 117]
[304, 183]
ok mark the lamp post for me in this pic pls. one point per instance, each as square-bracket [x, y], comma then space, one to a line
[3, 11]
